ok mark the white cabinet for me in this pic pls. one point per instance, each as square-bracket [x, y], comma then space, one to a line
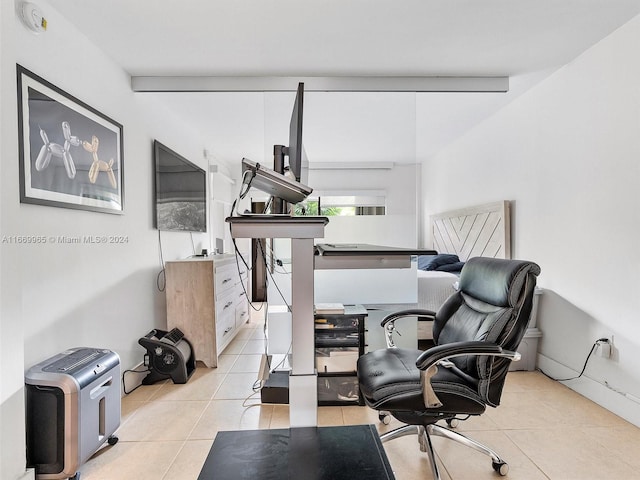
[207, 301]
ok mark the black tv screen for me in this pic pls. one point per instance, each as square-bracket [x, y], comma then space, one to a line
[180, 192]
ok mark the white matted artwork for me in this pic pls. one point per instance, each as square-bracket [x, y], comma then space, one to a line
[71, 155]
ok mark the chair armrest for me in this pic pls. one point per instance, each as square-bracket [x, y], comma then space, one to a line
[388, 322]
[458, 349]
[414, 312]
[429, 360]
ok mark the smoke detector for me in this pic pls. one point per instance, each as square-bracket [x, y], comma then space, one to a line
[33, 18]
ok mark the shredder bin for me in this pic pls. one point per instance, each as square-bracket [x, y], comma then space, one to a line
[72, 409]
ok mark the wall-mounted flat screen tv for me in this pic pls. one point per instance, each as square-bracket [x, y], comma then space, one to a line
[180, 192]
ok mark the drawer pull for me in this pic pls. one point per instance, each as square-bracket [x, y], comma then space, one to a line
[227, 331]
[227, 305]
[226, 280]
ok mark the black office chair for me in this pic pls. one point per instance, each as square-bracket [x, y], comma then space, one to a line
[476, 333]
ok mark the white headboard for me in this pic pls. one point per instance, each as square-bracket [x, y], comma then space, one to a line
[480, 231]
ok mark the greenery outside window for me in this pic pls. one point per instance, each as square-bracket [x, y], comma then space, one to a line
[329, 205]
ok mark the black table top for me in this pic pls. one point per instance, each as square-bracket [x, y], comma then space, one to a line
[366, 249]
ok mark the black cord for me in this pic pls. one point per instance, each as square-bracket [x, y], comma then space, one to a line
[124, 387]
[584, 367]
[246, 294]
[243, 194]
[161, 279]
[267, 205]
[264, 257]
[249, 269]
[277, 261]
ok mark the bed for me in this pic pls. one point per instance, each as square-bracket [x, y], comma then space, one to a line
[434, 288]
[457, 235]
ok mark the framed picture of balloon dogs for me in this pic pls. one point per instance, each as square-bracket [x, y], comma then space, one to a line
[71, 155]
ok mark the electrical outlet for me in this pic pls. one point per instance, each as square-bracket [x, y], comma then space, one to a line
[604, 350]
[605, 347]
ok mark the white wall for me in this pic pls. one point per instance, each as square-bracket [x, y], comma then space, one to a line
[12, 436]
[57, 296]
[88, 294]
[398, 228]
[567, 154]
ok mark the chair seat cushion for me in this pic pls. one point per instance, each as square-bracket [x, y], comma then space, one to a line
[390, 380]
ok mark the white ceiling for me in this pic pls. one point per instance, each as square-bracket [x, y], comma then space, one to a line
[523, 39]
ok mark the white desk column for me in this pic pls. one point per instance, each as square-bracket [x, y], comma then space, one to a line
[302, 295]
[303, 382]
[303, 386]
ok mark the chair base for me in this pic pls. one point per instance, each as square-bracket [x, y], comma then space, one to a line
[424, 434]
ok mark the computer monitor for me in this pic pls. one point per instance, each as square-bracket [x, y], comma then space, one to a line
[298, 163]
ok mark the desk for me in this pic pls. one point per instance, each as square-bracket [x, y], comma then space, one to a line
[360, 255]
[366, 274]
[303, 388]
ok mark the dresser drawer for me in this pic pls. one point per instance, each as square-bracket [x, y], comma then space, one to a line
[242, 312]
[225, 330]
[226, 305]
[242, 291]
[226, 277]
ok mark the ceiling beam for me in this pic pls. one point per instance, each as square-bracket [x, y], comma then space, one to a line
[319, 84]
[351, 165]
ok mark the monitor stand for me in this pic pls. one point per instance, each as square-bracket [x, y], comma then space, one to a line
[278, 205]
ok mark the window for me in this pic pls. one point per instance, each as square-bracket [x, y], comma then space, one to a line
[329, 205]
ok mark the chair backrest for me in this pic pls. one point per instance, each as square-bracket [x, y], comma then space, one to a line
[493, 304]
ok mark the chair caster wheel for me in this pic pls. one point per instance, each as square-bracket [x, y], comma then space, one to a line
[384, 418]
[453, 422]
[112, 440]
[500, 467]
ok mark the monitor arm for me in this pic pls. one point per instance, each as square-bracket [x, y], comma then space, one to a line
[279, 151]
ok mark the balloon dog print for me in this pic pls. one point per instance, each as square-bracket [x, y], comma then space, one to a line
[99, 165]
[49, 150]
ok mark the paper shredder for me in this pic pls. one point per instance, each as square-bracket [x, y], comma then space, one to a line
[72, 409]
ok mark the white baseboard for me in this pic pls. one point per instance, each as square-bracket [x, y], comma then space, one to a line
[595, 391]
[30, 474]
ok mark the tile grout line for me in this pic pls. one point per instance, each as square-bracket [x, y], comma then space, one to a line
[175, 457]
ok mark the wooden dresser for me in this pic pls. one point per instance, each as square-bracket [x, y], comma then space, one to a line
[206, 300]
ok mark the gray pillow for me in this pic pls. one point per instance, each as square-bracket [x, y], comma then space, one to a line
[432, 262]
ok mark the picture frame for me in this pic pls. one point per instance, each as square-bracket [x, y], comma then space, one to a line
[71, 155]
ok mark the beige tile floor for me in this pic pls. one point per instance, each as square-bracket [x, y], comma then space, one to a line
[542, 429]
